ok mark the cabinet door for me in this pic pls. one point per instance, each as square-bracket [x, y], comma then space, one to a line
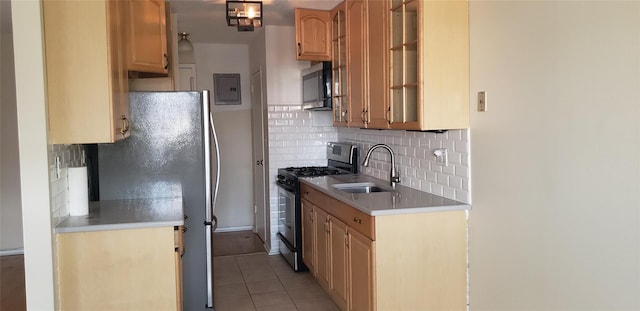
[339, 66]
[338, 262]
[308, 236]
[147, 36]
[405, 66]
[86, 80]
[354, 11]
[178, 233]
[377, 82]
[361, 272]
[429, 61]
[129, 269]
[313, 29]
[321, 225]
[118, 66]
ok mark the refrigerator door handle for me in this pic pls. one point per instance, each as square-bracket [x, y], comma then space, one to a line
[211, 221]
[208, 231]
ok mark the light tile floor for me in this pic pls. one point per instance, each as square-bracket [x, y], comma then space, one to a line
[259, 282]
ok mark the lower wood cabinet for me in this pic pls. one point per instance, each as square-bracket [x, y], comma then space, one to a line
[338, 263]
[391, 262]
[321, 249]
[361, 272]
[130, 269]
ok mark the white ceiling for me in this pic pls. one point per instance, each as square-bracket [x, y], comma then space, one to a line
[205, 20]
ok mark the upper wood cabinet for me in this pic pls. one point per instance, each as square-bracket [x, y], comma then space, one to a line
[429, 59]
[360, 46]
[356, 56]
[313, 29]
[406, 64]
[376, 92]
[87, 86]
[146, 35]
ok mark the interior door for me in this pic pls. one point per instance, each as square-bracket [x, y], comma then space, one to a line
[259, 159]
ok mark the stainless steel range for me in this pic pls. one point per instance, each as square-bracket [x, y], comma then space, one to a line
[341, 159]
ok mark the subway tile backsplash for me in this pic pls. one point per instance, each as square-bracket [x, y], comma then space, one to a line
[415, 159]
[296, 138]
[70, 156]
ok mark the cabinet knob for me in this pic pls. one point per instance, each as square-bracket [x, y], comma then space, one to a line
[166, 61]
[299, 49]
[357, 220]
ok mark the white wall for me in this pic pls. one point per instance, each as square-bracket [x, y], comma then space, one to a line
[555, 160]
[296, 137]
[223, 58]
[32, 132]
[234, 205]
[10, 204]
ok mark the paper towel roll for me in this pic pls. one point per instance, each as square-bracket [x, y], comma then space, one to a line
[78, 191]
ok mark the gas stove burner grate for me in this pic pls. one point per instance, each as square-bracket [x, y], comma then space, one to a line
[313, 171]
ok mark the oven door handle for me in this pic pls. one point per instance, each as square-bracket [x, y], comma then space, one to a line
[288, 194]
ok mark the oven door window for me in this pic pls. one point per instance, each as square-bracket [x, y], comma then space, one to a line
[286, 215]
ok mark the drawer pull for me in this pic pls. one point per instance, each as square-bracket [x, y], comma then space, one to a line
[357, 220]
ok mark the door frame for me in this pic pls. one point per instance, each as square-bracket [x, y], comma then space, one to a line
[260, 158]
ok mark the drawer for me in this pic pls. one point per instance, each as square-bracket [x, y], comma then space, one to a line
[352, 217]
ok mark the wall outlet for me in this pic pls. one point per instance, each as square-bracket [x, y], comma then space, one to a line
[482, 101]
[442, 156]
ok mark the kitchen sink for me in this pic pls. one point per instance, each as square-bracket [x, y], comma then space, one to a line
[359, 187]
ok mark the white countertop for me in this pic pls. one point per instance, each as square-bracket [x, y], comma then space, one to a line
[126, 214]
[402, 200]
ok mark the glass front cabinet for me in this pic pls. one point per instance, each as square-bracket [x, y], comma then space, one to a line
[428, 65]
[401, 64]
[339, 66]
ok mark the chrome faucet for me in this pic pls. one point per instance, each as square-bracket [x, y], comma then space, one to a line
[393, 175]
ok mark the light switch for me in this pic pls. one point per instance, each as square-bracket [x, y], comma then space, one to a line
[482, 101]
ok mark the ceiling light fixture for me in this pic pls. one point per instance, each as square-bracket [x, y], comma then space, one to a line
[246, 15]
[185, 50]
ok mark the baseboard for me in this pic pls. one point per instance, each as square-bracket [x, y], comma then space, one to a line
[232, 229]
[13, 251]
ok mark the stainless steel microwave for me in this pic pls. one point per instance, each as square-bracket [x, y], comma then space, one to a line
[316, 87]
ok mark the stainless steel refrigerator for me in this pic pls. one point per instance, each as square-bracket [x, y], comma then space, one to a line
[172, 151]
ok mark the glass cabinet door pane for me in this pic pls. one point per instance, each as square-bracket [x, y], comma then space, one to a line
[343, 81]
[411, 104]
[342, 55]
[411, 21]
[397, 68]
[397, 96]
[397, 39]
[336, 82]
[411, 64]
